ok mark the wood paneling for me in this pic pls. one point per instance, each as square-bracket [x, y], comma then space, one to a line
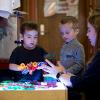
[83, 14]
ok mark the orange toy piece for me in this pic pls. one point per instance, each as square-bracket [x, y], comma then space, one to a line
[34, 64]
[30, 67]
[22, 66]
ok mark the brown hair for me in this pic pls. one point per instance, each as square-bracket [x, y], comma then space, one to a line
[95, 21]
[70, 19]
[28, 26]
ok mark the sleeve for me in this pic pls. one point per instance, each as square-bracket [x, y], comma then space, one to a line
[79, 61]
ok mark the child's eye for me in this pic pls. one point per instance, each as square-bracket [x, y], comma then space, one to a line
[36, 37]
[66, 32]
[28, 37]
[63, 33]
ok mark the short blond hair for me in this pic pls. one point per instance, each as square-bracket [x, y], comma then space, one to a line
[70, 19]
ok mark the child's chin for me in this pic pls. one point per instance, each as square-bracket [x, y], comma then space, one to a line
[31, 47]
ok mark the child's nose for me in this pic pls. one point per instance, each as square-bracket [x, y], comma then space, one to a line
[64, 35]
[32, 40]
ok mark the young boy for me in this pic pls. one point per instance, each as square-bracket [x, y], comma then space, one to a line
[29, 51]
[72, 55]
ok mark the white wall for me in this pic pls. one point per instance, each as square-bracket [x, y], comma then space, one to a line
[7, 43]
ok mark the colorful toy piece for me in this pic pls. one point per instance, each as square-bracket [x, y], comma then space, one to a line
[22, 66]
[32, 67]
[34, 64]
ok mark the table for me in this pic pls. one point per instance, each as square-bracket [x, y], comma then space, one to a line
[57, 93]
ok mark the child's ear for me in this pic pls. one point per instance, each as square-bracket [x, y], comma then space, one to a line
[20, 37]
[77, 31]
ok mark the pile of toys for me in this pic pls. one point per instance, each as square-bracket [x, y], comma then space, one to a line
[29, 68]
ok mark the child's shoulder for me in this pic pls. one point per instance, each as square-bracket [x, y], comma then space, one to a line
[39, 47]
[76, 43]
[18, 48]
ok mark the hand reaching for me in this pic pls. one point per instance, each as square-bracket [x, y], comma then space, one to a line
[50, 70]
[60, 67]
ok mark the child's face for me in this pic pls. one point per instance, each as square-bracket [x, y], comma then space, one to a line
[91, 33]
[30, 39]
[67, 32]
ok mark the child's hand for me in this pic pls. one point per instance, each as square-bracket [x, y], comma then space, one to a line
[50, 70]
[65, 79]
[67, 75]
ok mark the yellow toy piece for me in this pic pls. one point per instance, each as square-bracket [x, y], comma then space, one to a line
[34, 64]
[22, 66]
